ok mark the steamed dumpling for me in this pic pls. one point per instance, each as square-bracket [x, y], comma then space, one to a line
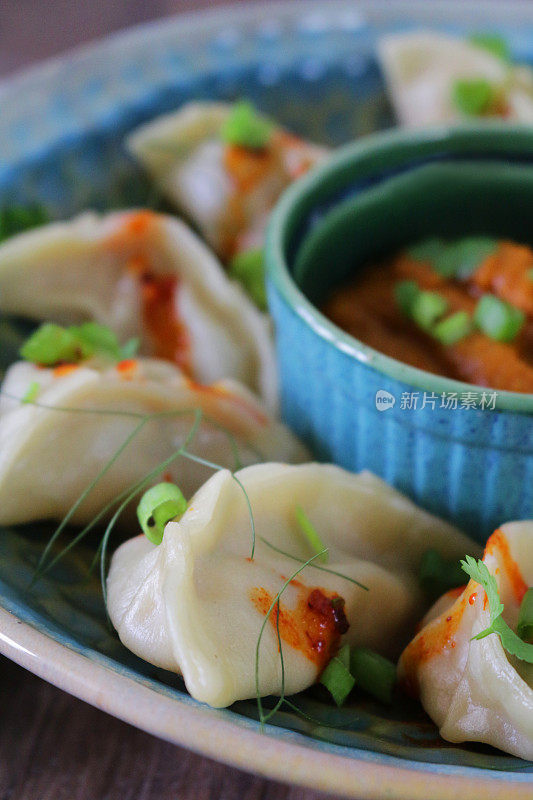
[195, 604]
[48, 456]
[472, 689]
[226, 190]
[421, 68]
[142, 274]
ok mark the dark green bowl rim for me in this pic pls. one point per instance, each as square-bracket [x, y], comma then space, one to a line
[325, 180]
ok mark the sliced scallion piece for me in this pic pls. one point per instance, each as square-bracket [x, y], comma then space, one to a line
[337, 677]
[499, 320]
[245, 127]
[474, 97]
[438, 575]
[17, 219]
[373, 673]
[157, 506]
[51, 344]
[426, 250]
[426, 309]
[495, 44]
[405, 293]
[311, 533]
[249, 269]
[460, 258]
[525, 617]
[452, 329]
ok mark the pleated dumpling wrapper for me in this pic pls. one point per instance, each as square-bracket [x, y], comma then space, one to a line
[195, 603]
[472, 688]
[422, 69]
[142, 274]
[49, 454]
[226, 189]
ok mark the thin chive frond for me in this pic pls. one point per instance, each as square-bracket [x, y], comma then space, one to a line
[315, 566]
[262, 716]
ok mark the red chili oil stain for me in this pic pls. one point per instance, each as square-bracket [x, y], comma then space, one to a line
[472, 598]
[431, 641]
[138, 223]
[313, 627]
[168, 333]
[498, 541]
[127, 368]
[64, 369]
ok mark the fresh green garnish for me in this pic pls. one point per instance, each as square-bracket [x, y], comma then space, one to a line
[493, 43]
[245, 127]
[373, 673]
[337, 677]
[499, 320]
[405, 293]
[511, 642]
[452, 329]
[52, 344]
[474, 97]
[438, 575]
[18, 219]
[249, 269]
[426, 250]
[525, 617]
[31, 392]
[157, 506]
[457, 258]
[426, 309]
[311, 534]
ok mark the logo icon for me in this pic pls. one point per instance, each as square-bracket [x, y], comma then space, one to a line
[384, 400]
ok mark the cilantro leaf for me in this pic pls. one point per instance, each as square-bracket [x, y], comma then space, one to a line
[511, 642]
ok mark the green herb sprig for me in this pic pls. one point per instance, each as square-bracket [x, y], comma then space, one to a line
[511, 642]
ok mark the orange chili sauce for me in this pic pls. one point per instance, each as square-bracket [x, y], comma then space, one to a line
[365, 307]
[313, 627]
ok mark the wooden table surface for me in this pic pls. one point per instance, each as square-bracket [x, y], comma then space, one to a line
[53, 746]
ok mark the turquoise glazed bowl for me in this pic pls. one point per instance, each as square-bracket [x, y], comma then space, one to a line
[462, 451]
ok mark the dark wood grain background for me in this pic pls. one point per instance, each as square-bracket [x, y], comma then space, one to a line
[53, 746]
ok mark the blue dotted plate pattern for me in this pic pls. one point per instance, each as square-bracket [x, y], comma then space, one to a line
[62, 127]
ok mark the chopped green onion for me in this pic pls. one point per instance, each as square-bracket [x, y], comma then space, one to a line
[311, 534]
[457, 258]
[98, 338]
[157, 506]
[427, 308]
[452, 329]
[405, 293]
[373, 673]
[249, 269]
[525, 617]
[426, 250]
[337, 678]
[246, 128]
[52, 344]
[18, 219]
[474, 97]
[498, 319]
[438, 575]
[493, 43]
[31, 392]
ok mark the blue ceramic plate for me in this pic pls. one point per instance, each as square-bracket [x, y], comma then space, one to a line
[312, 66]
